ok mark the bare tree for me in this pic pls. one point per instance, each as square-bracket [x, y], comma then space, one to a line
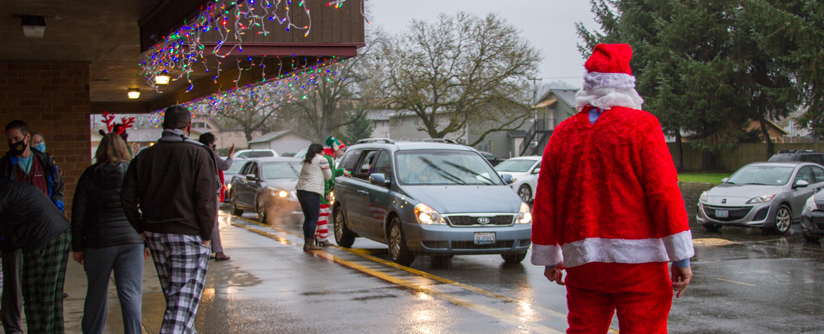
[463, 69]
[251, 108]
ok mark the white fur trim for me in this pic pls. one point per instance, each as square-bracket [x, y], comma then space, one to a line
[598, 80]
[627, 250]
[606, 98]
[546, 255]
[679, 246]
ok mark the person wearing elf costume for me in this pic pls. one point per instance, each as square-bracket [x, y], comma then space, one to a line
[336, 150]
[613, 216]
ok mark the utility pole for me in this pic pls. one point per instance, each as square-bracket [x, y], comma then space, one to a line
[535, 96]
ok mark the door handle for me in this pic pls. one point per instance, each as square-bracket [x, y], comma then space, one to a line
[363, 192]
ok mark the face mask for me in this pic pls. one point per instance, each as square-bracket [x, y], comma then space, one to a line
[40, 147]
[18, 148]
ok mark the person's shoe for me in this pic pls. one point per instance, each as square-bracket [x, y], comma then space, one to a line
[309, 245]
[221, 257]
[324, 243]
[211, 257]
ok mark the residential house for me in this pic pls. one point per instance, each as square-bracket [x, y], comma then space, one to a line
[285, 143]
[554, 107]
[777, 133]
[405, 125]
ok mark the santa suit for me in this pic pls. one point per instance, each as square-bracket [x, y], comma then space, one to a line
[609, 208]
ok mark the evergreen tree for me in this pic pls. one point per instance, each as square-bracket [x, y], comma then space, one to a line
[358, 128]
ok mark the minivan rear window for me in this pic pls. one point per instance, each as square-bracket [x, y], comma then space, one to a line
[444, 167]
[260, 154]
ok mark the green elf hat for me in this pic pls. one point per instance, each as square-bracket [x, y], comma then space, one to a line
[334, 143]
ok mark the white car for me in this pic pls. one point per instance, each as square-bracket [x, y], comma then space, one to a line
[248, 154]
[524, 171]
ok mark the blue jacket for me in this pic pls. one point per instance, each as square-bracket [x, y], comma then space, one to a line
[54, 181]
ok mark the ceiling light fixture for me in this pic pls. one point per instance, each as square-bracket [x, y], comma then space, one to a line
[134, 93]
[33, 26]
[162, 78]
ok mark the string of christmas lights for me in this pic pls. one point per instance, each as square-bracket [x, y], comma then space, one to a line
[183, 49]
[269, 94]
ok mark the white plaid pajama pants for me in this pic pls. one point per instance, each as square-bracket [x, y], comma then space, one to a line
[181, 262]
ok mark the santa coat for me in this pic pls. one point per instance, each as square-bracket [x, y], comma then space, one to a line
[608, 192]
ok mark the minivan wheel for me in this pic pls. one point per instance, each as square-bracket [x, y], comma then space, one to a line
[235, 210]
[783, 219]
[343, 236]
[525, 193]
[262, 216]
[398, 252]
[513, 257]
[712, 227]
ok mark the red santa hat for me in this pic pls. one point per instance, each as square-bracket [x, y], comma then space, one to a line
[609, 81]
[608, 67]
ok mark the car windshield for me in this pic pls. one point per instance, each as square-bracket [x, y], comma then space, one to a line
[447, 167]
[515, 166]
[260, 154]
[237, 164]
[281, 170]
[764, 175]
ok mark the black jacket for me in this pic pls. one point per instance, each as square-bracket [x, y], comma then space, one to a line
[53, 178]
[28, 220]
[98, 218]
[174, 185]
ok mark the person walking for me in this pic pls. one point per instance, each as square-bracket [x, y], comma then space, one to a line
[34, 167]
[170, 194]
[32, 223]
[613, 216]
[103, 240]
[310, 189]
[208, 139]
[335, 151]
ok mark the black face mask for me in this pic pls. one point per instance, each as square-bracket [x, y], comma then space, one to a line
[18, 148]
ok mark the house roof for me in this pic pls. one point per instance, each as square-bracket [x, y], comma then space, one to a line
[517, 133]
[565, 95]
[275, 135]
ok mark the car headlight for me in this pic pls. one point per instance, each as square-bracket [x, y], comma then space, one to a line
[810, 205]
[427, 215]
[761, 199]
[332, 197]
[704, 197]
[228, 186]
[278, 192]
[524, 215]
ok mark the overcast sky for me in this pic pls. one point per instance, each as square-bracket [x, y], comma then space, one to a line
[549, 25]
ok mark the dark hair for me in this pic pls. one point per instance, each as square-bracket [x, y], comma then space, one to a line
[207, 139]
[18, 124]
[314, 150]
[176, 117]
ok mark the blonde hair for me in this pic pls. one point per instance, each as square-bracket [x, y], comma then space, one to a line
[112, 149]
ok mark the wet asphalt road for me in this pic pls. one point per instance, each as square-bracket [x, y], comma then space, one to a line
[745, 282]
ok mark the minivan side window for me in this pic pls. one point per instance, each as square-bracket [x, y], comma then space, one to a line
[245, 169]
[384, 164]
[350, 159]
[366, 164]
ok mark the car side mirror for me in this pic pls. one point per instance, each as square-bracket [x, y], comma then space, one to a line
[379, 179]
[251, 177]
[724, 180]
[536, 171]
[801, 183]
[507, 178]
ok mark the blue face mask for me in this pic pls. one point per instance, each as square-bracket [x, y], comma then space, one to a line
[40, 147]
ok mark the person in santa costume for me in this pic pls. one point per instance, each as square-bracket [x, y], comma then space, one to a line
[608, 209]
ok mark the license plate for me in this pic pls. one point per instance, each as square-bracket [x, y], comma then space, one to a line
[722, 213]
[485, 238]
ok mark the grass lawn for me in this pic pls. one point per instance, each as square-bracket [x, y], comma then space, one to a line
[703, 178]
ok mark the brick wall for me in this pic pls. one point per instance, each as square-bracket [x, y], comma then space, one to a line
[52, 98]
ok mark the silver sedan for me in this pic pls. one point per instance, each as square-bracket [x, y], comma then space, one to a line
[769, 195]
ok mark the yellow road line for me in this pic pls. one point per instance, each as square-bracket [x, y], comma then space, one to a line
[731, 281]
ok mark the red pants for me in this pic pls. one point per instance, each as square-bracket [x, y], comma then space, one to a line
[641, 293]
[322, 231]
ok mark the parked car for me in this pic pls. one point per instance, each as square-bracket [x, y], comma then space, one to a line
[248, 154]
[798, 155]
[237, 164]
[812, 220]
[769, 195]
[267, 186]
[524, 171]
[493, 160]
[429, 198]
